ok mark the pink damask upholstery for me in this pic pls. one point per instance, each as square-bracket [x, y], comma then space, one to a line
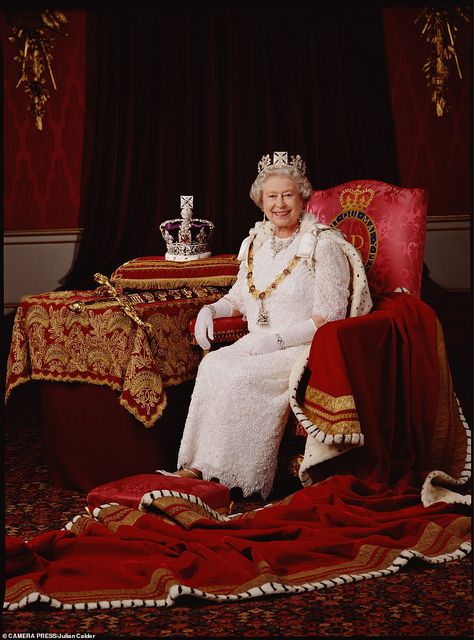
[386, 223]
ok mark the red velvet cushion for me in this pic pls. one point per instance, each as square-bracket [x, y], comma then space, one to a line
[130, 490]
[154, 272]
[387, 224]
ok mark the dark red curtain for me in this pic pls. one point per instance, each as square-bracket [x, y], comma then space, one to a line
[186, 101]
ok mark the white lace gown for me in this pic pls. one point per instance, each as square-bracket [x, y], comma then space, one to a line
[240, 402]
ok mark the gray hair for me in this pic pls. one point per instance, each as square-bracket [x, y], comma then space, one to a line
[288, 171]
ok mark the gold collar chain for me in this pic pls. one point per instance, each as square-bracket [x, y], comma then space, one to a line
[262, 319]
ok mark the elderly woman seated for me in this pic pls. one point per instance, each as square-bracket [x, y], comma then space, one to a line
[295, 276]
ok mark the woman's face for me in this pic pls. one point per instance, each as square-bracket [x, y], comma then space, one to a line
[282, 204]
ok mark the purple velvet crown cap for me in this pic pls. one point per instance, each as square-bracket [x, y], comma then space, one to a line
[186, 238]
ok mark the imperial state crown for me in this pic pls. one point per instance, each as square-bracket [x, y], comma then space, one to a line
[186, 237]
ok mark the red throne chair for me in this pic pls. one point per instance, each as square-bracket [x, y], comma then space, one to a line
[387, 224]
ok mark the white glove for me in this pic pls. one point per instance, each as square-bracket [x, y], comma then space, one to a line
[265, 344]
[204, 327]
[300, 333]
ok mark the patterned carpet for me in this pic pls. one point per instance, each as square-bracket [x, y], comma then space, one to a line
[419, 601]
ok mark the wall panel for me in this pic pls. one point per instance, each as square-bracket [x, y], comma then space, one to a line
[43, 168]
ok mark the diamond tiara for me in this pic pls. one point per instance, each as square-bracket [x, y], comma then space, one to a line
[280, 159]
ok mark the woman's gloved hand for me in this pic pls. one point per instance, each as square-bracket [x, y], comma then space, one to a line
[204, 327]
[301, 333]
[265, 344]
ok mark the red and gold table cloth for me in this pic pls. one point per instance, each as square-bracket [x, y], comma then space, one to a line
[99, 344]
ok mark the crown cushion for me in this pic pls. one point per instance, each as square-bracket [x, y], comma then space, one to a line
[155, 272]
[129, 491]
[386, 223]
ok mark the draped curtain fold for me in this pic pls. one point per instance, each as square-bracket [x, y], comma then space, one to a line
[187, 101]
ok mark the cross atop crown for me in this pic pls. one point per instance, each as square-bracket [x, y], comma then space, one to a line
[186, 205]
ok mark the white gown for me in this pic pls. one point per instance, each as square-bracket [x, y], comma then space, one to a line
[240, 402]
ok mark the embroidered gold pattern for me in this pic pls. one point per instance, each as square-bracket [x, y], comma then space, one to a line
[17, 362]
[20, 590]
[103, 346]
[461, 527]
[146, 387]
[116, 516]
[358, 198]
[436, 540]
[158, 588]
[333, 428]
[331, 414]
[170, 344]
[330, 403]
[82, 525]
[182, 511]
[369, 558]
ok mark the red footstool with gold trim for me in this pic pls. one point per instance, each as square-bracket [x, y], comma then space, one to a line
[136, 490]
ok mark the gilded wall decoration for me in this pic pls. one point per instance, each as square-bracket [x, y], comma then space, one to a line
[440, 26]
[34, 36]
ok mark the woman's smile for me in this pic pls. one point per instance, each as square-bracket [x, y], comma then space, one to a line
[282, 205]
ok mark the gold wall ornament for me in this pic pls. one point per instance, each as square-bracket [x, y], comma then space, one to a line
[33, 35]
[439, 31]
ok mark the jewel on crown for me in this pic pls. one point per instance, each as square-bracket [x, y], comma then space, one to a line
[357, 199]
[280, 159]
[186, 238]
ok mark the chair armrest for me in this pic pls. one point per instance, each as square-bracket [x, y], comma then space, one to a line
[225, 329]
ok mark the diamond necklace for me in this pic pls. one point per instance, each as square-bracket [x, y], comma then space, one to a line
[278, 244]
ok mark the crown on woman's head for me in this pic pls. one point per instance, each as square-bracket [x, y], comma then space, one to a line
[186, 237]
[280, 159]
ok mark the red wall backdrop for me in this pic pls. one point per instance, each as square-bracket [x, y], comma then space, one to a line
[43, 168]
[433, 152]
